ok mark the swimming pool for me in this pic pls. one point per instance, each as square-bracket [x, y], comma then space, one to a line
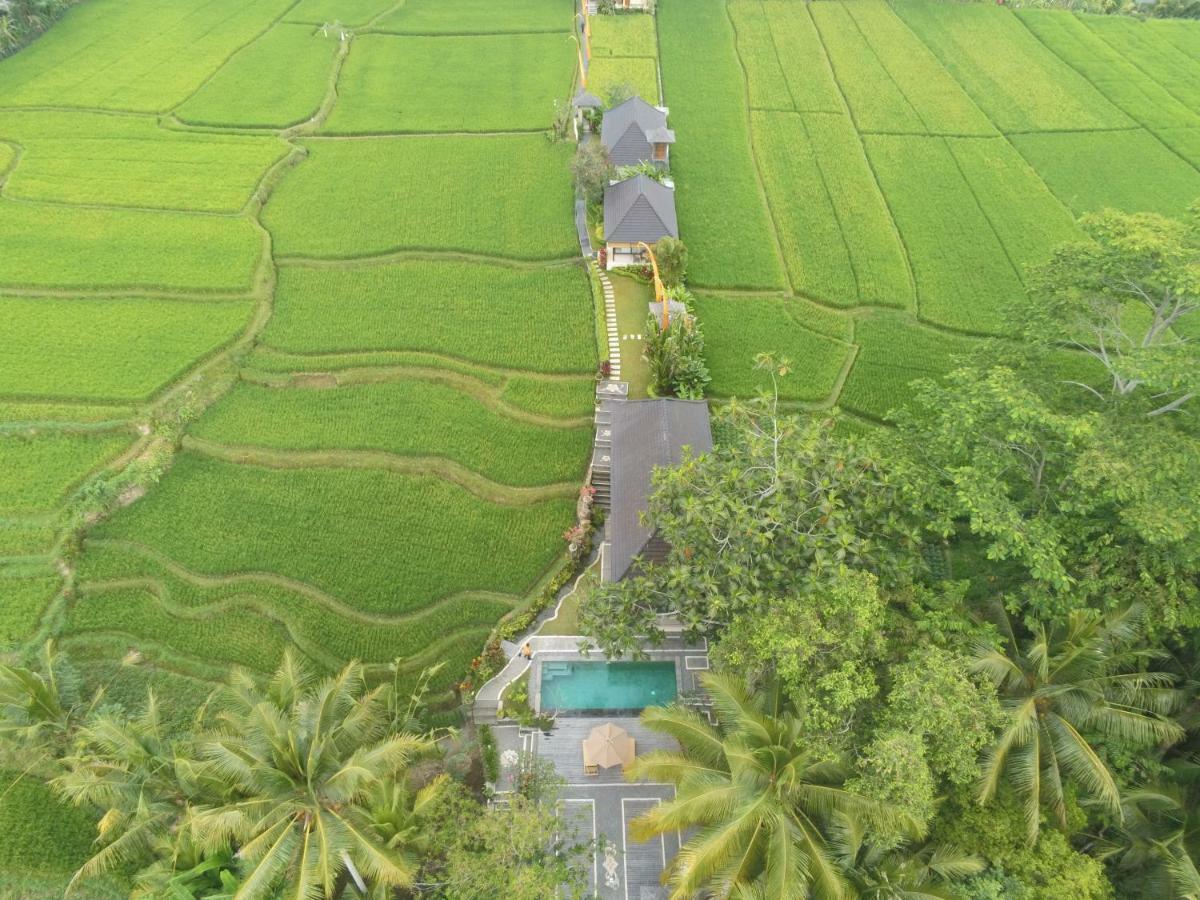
[606, 687]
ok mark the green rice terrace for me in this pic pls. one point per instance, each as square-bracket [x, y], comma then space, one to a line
[863, 184]
[292, 285]
[296, 349]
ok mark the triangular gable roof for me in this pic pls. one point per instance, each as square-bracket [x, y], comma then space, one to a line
[633, 113]
[639, 209]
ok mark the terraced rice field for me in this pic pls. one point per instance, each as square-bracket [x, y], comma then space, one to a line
[864, 185]
[288, 294]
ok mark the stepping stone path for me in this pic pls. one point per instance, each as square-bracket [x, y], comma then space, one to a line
[610, 322]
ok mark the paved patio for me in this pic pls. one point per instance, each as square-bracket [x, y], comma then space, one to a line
[600, 807]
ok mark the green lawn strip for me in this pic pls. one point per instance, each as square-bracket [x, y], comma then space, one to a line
[277, 81]
[1184, 141]
[38, 471]
[1009, 73]
[1118, 78]
[478, 17]
[893, 351]
[629, 34]
[1127, 170]
[765, 82]
[937, 99]
[108, 350]
[810, 232]
[22, 602]
[140, 55]
[499, 195]
[482, 83]
[536, 319]
[93, 158]
[608, 72]
[231, 636]
[23, 414]
[43, 835]
[834, 225]
[563, 398]
[1027, 218]
[50, 246]
[19, 539]
[633, 309]
[322, 626]
[722, 214]
[566, 619]
[411, 418]
[1152, 51]
[875, 100]
[352, 13]
[962, 273]
[802, 57]
[736, 329]
[380, 541]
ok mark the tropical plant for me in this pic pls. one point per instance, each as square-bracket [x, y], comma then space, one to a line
[672, 256]
[1156, 846]
[304, 765]
[676, 357]
[1061, 688]
[40, 708]
[762, 795]
[898, 873]
[141, 779]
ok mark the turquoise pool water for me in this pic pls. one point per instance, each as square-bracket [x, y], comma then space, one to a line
[607, 686]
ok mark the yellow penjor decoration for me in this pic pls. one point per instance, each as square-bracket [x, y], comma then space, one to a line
[660, 293]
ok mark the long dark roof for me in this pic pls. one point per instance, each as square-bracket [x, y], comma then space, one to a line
[639, 209]
[646, 434]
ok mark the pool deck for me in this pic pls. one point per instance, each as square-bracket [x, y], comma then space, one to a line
[600, 807]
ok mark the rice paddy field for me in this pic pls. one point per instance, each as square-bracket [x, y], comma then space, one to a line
[862, 184]
[295, 348]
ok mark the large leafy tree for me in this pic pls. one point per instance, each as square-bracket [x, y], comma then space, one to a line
[1071, 451]
[761, 796]
[775, 513]
[306, 766]
[1063, 687]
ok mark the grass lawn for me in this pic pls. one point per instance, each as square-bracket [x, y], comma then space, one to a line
[633, 307]
[567, 621]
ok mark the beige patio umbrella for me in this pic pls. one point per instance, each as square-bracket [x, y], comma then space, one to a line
[608, 745]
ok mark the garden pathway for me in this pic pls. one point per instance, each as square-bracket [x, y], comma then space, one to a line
[610, 324]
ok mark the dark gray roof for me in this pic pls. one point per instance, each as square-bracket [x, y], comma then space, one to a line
[646, 434]
[639, 209]
[629, 130]
[584, 100]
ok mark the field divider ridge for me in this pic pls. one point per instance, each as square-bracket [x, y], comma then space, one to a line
[303, 588]
[424, 466]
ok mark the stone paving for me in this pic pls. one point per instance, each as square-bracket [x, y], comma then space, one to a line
[600, 807]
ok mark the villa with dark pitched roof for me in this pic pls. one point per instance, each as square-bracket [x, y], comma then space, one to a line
[636, 210]
[636, 132]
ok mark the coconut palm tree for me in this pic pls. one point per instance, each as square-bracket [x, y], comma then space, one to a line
[761, 795]
[1157, 843]
[141, 779]
[908, 872]
[42, 706]
[303, 762]
[1061, 688]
